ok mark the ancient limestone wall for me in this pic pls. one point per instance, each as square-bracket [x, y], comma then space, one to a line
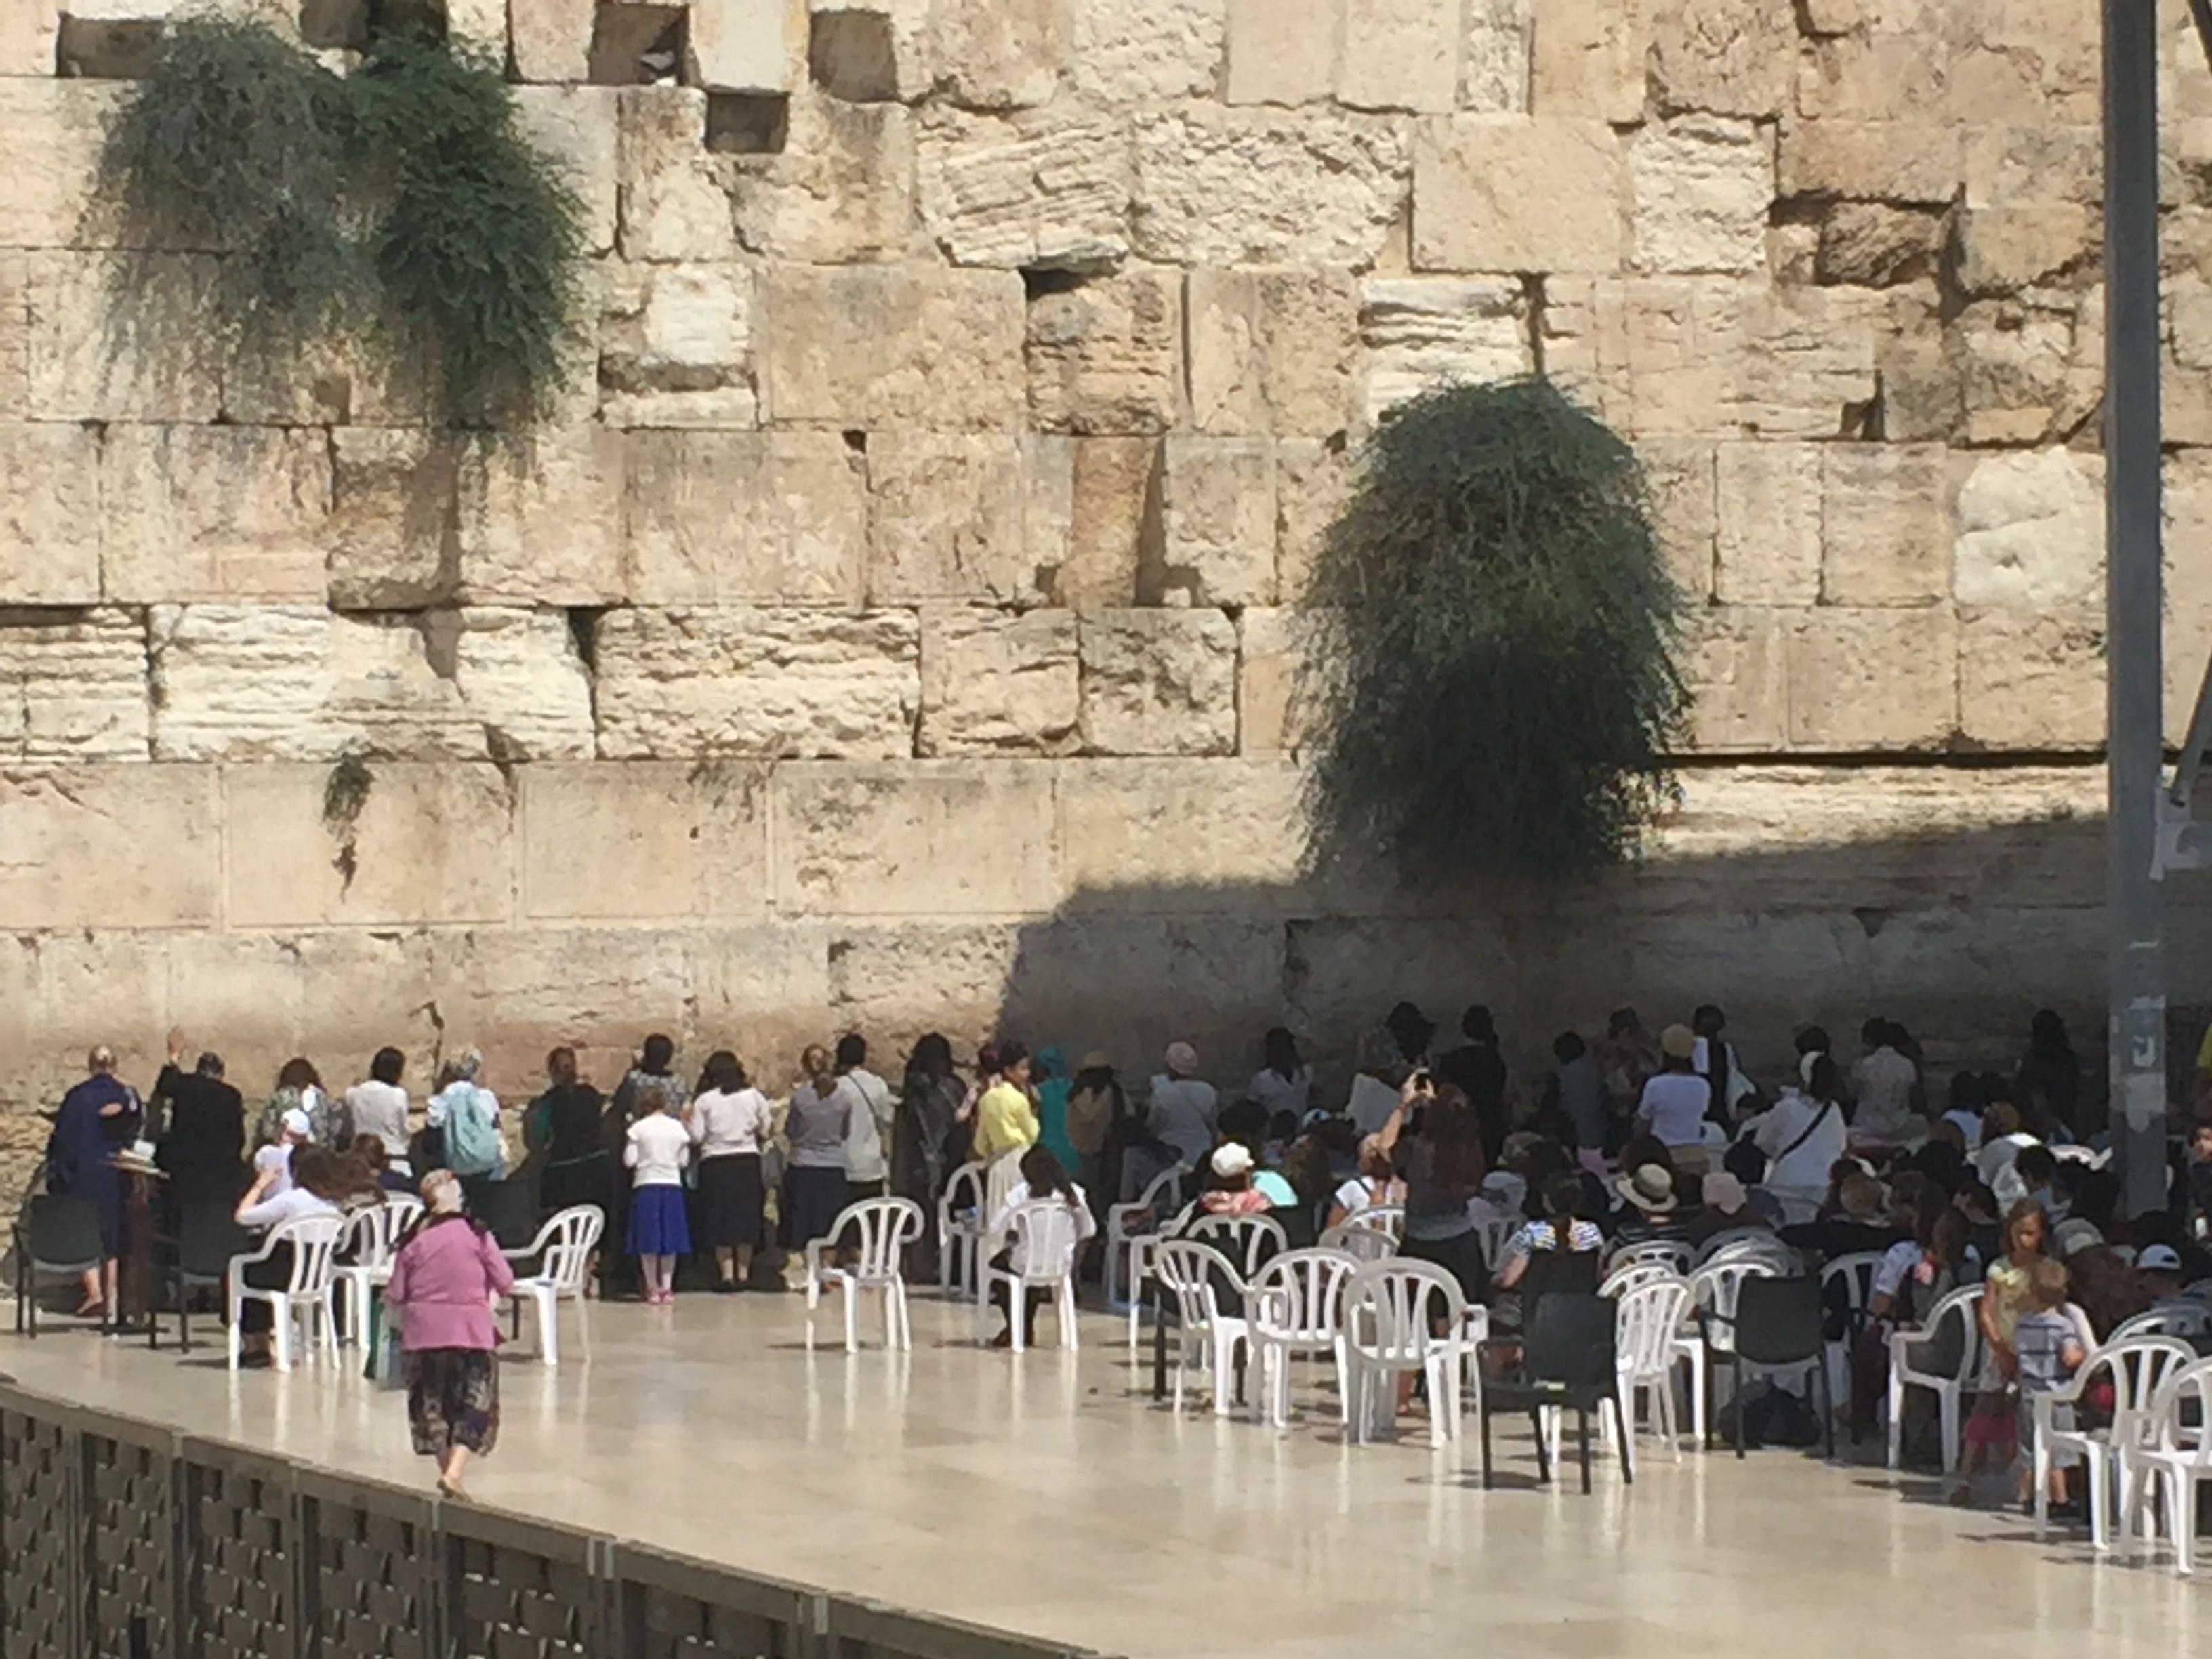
[898, 621]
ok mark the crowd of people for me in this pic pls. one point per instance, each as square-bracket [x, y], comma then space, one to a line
[1631, 1134]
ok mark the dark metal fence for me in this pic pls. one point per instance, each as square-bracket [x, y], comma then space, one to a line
[124, 1540]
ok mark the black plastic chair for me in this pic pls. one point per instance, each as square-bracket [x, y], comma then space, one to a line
[509, 1209]
[198, 1258]
[58, 1235]
[1566, 1362]
[1779, 1323]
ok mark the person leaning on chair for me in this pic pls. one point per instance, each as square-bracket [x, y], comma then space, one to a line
[99, 1115]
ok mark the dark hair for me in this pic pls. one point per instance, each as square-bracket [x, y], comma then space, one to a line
[210, 1064]
[1946, 1237]
[658, 1054]
[1568, 1046]
[1412, 1029]
[299, 1073]
[1997, 1087]
[561, 1068]
[1454, 1138]
[1621, 1021]
[1563, 1198]
[723, 1073]
[1245, 1122]
[1874, 1032]
[2046, 1036]
[1825, 1081]
[1709, 1020]
[371, 1151]
[1813, 1040]
[1010, 1054]
[387, 1066]
[1646, 1148]
[2036, 1165]
[1966, 1094]
[1476, 1024]
[1047, 1176]
[852, 1049]
[1308, 1170]
[333, 1174]
[988, 1062]
[2022, 1210]
[1280, 1051]
[932, 1056]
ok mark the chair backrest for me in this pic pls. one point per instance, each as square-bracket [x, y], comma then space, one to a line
[963, 1190]
[62, 1230]
[1495, 1235]
[1675, 1253]
[1361, 1243]
[314, 1241]
[1163, 1194]
[1778, 1321]
[1637, 1274]
[370, 1237]
[1960, 1311]
[1187, 1267]
[207, 1236]
[2179, 1412]
[2138, 1367]
[1647, 1317]
[1381, 1217]
[881, 1230]
[1757, 1246]
[1248, 1241]
[1393, 1310]
[2170, 1320]
[1851, 1278]
[1713, 1290]
[1298, 1296]
[564, 1247]
[1044, 1235]
[1555, 1273]
[1570, 1340]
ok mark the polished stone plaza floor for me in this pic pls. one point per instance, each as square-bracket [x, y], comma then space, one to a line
[1048, 1494]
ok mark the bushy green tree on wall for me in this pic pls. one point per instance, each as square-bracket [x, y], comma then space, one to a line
[1492, 686]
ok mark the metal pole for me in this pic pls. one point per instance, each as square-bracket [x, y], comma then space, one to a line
[2134, 598]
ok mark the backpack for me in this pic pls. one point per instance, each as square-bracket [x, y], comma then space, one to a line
[472, 1142]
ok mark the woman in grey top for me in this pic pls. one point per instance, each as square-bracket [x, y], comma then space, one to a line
[821, 1116]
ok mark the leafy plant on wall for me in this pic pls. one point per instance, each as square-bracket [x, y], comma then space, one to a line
[1493, 689]
[401, 204]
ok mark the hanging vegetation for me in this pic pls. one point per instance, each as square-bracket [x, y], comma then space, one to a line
[401, 203]
[1494, 691]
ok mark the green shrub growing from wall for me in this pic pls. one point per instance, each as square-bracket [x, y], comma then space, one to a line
[1493, 688]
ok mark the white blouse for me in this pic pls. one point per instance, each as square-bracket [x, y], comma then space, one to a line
[658, 1148]
[724, 1126]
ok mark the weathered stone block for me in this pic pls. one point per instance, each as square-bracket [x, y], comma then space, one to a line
[28, 29]
[539, 520]
[1702, 189]
[243, 682]
[1903, 160]
[213, 513]
[97, 354]
[1151, 826]
[2029, 367]
[2030, 531]
[95, 847]
[63, 124]
[971, 837]
[676, 345]
[1272, 650]
[870, 50]
[1239, 187]
[713, 517]
[1159, 683]
[623, 841]
[1112, 484]
[1874, 245]
[2009, 163]
[1105, 359]
[14, 330]
[1488, 190]
[745, 46]
[551, 40]
[521, 680]
[885, 345]
[1868, 679]
[395, 496]
[1400, 54]
[1216, 524]
[430, 844]
[1425, 332]
[1587, 59]
[1026, 191]
[1886, 527]
[1141, 52]
[73, 687]
[477, 29]
[1494, 61]
[999, 54]
[745, 681]
[2002, 250]
[996, 681]
[1315, 478]
[49, 515]
[1735, 663]
[1725, 57]
[2033, 680]
[1271, 351]
[1768, 533]
[1683, 477]
[578, 128]
[1281, 54]
[840, 190]
[672, 204]
[965, 518]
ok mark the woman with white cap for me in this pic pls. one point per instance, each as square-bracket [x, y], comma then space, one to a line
[1229, 1189]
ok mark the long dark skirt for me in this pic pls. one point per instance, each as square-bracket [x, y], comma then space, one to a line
[812, 1200]
[453, 1399]
[732, 1202]
[574, 1181]
[259, 1318]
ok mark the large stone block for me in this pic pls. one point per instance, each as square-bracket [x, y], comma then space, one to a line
[756, 682]
[1000, 54]
[1315, 478]
[14, 330]
[933, 838]
[539, 519]
[1271, 351]
[965, 518]
[997, 681]
[1702, 188]
[95, 847]
[1725, 57]
[870, 50]
[63, 124]
[713, 517]
[2029, 365]
[885, 345]
[1400, 54]
[73, 687]
[745, 46]
[1886, 526]
[521, 678]
[2030, 531]
[551, 40]
[1904, 160]
[1105, 359]
[121, 337]
[1868, 679]
[1142, 51]
[1281, 54]
[1425, 332]
[676, 345]
[578, 128]
[1488, 190]
[1113, 485]
[1159, 683]
[1216, 544]
[1213, 828]
[222, 513]
[1273, 649]
[1768, 538]
[610, 840]
[28, 30]
[2010, 163]
[840, 190]
[2033, 680]
[395, 500]
[243, 682]
[429, 844]
[1026, 192]
[763, 991]
[1683, 477]
[1494, 61]
[1874, 245]
[1242, 187]
[2002, 250]
[49, 515]
[1587, 59]
[1736, 663]
[673, 204]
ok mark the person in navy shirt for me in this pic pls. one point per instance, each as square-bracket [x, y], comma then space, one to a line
[98, 1118]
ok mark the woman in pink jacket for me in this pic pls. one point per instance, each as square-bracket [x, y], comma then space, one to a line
[443, 1281]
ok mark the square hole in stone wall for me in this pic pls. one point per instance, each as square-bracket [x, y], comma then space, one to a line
[852, 56]
[748, 123]
[636, 45]
[108, 51]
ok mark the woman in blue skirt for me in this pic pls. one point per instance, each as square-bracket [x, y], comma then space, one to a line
[657, 1149]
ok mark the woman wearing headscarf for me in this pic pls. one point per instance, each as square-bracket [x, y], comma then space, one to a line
[443, 1281]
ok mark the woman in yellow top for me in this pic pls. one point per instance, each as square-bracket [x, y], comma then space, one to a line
[1006, 1125]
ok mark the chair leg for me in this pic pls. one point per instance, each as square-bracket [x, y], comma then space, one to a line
[1628, 1440]
[236, 1305]
[2182, 1485]
[2100, 1472]
[1482, 1414]
[1897, 1418]
[1735, 1391]
[1543, 1450]
[549, 1326]
[1948, 1399]
[852, 1316]
[1582, 1445]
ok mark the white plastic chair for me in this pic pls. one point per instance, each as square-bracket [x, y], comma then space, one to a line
[1389, 1218]
[563, 1250]
[1495, 1235]
[2174, 1455]
[1392, 1314]
[1361, 1243]
[882, 1227]
[1635, 1274]
[2138, 1367]
[1712, 1291]
[1757, 1245]
[1296, 1311]
[1205, 1334]
[1044, 1234]
[2171, 1319]
[306, 1294]
[1963, 1307]
[1248, 1241]
[960, 1224]
[1647, 1319]
[371, 1238]
[1130, 1244]
[1674, 1252]
[1855, 1273]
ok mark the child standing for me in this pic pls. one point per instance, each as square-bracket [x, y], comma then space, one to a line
[2004, 1298]
[2047, 1349]
[657, 1148]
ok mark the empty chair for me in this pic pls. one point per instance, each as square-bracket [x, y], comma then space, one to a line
[1190, 1272]
[1041, 1257]
[877, 1232]
[1675, 1253]
[2171, 1458]
[311, 1243]
[1361, 1243]
[2136, 1368]
[1404, 1315]
[2179, 1319]
[1776, 1324]
[562, 1251]
[1712, 1292]
[197, 1259]
[365, 1247]
[1133, 1230]
[1634, 1274]
[1246, 1241]
[1649, 1314]
[1568, 1362]
[58, 1236]
[1943, 1356]
[960, 1224]
[1296, 1311]
[1382, 1218]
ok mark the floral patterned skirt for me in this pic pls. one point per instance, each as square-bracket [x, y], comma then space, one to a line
[453, 1399]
